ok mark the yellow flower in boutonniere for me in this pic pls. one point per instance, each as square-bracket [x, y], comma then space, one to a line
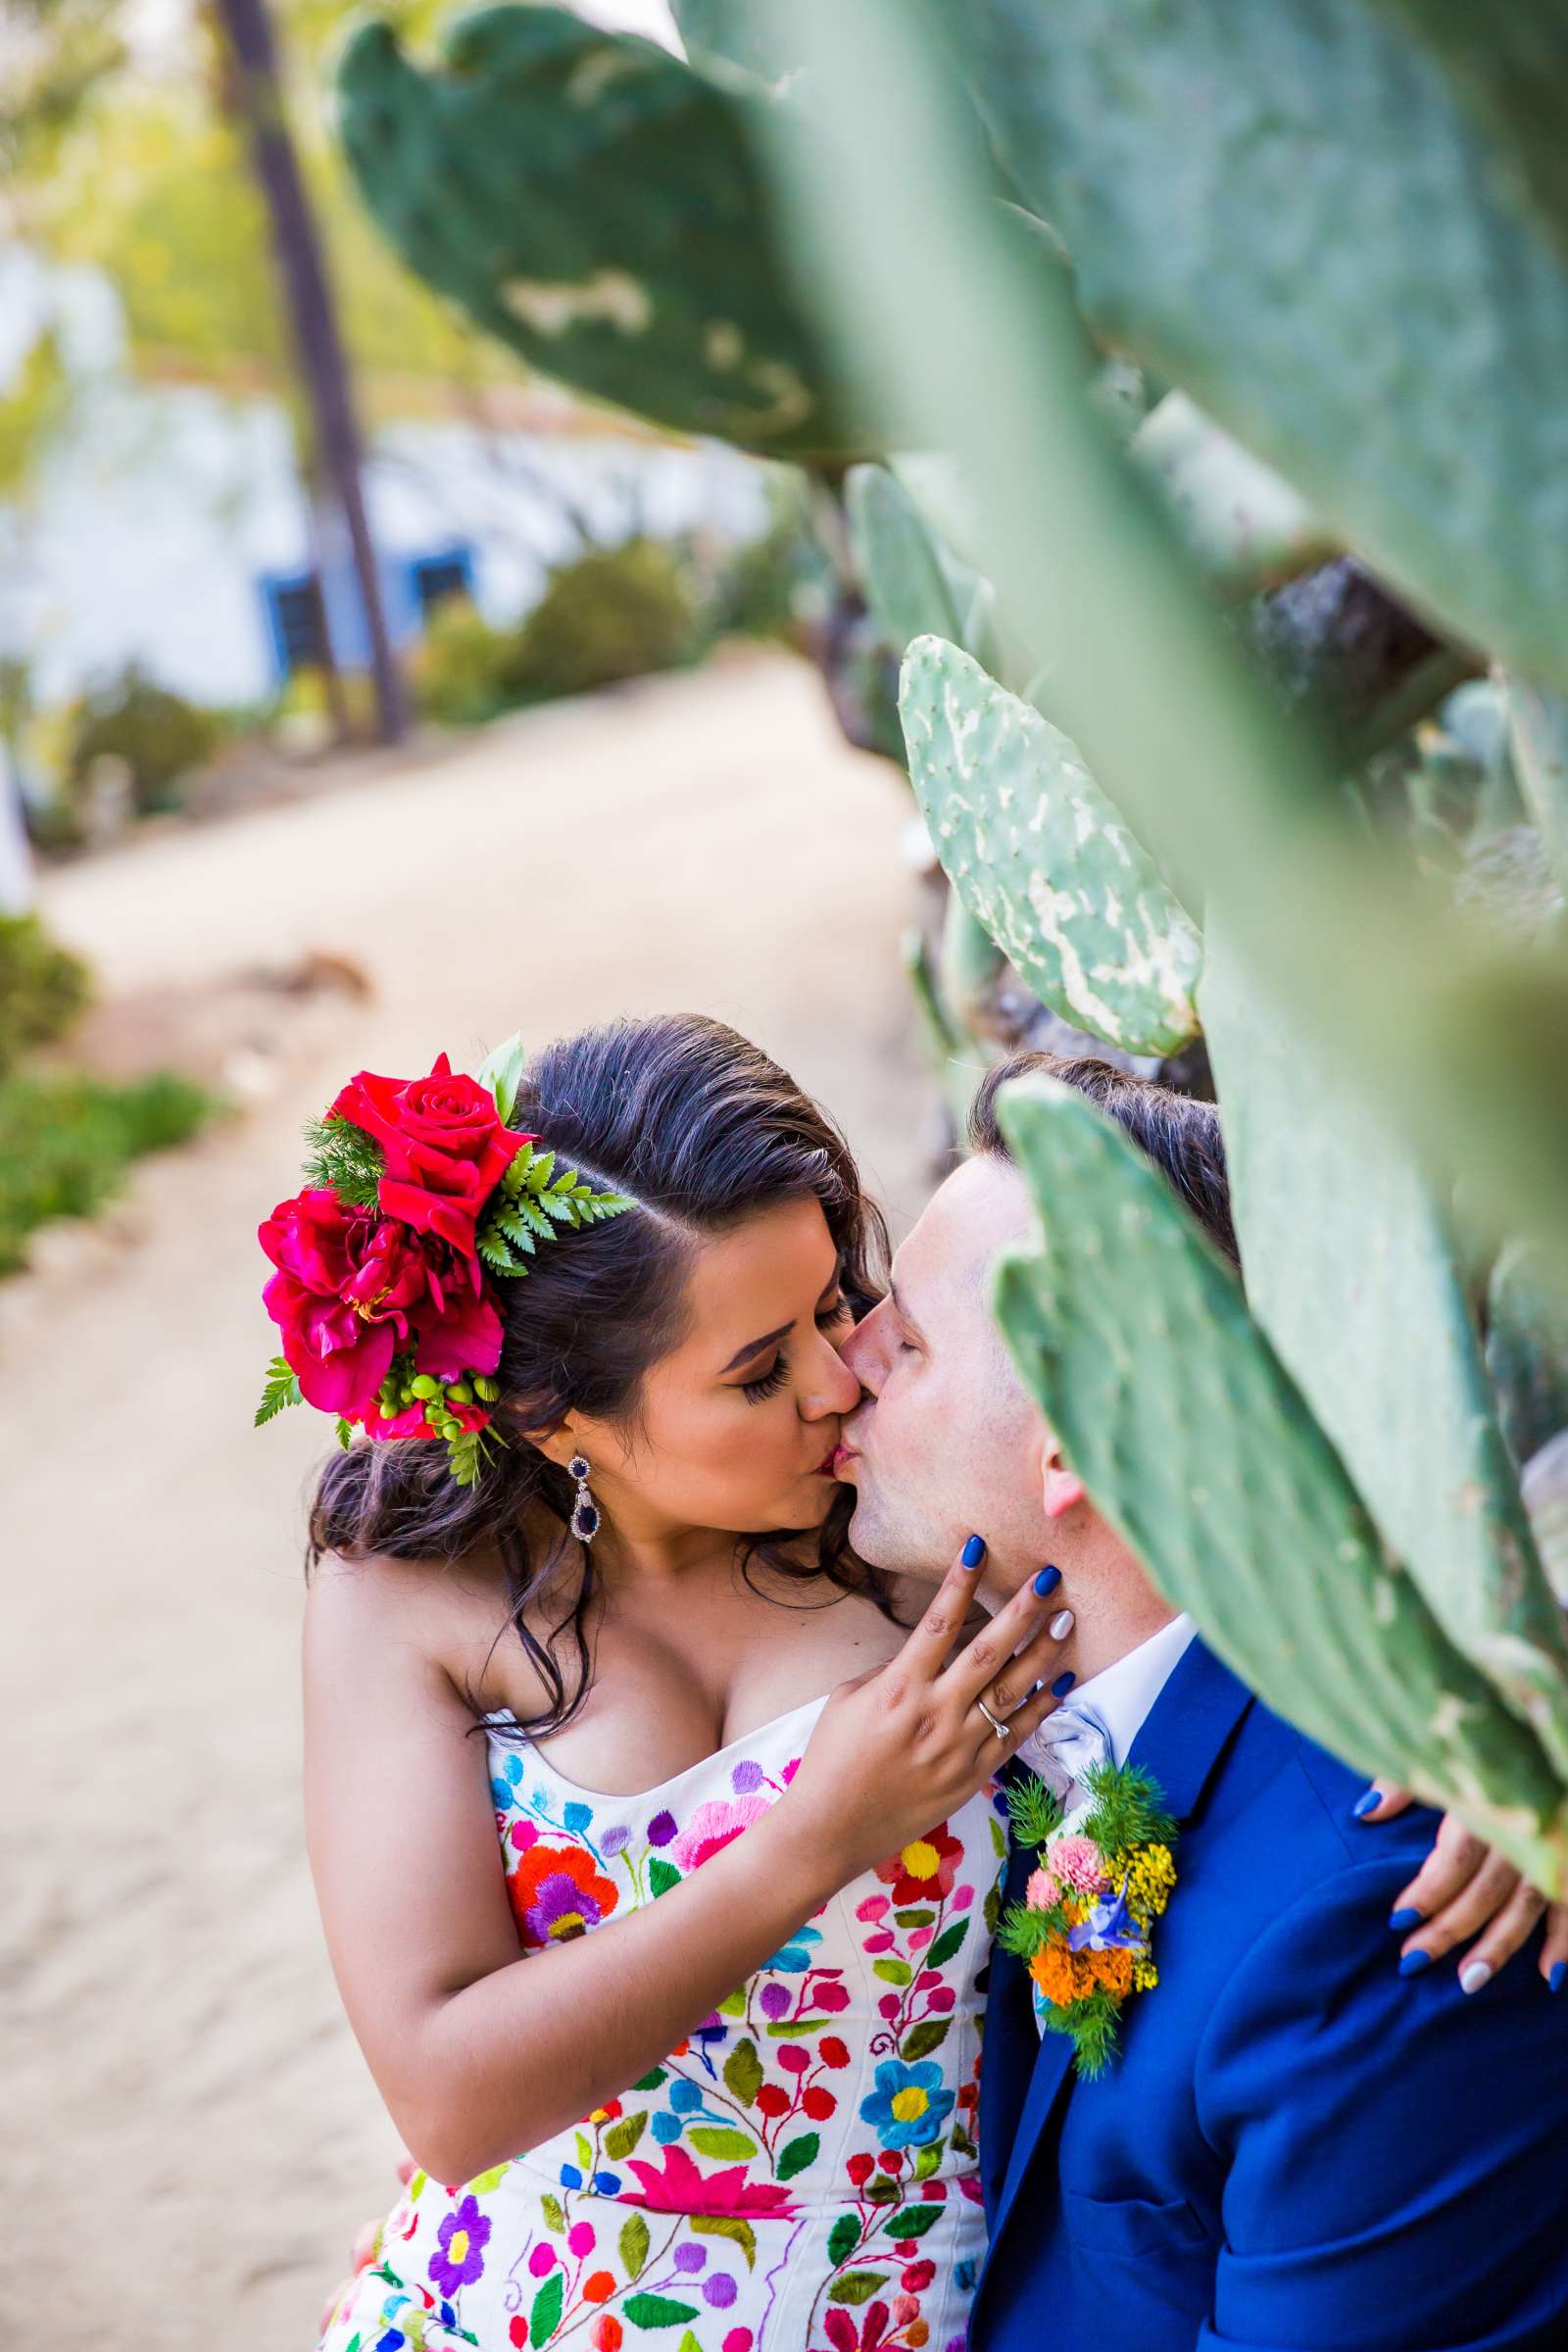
[1084, 1927]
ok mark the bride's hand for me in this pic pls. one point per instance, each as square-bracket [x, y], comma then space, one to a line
[896, 1750]
[1463, 1889]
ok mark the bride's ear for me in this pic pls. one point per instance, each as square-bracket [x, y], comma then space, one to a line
[1060, 1488]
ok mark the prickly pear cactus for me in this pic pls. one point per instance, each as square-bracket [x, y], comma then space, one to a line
[914, 582]
[595, 203]
[1527, 1351]
[1353, 1272]
[1370, 308]
[1196, 1443]
[1040, 857]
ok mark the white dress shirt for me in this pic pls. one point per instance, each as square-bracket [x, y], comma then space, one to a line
[1120, 1697]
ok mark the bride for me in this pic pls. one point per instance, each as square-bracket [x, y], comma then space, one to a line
[658, 1856]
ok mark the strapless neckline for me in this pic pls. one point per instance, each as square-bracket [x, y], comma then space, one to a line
[638, 1796]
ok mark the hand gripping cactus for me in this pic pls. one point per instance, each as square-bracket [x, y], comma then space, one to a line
[1353, 1273]
[1194, 1441]
[1040, 857]
[595, 203]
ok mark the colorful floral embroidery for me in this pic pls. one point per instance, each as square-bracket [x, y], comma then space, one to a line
[797, 2176]
[1086, 1921]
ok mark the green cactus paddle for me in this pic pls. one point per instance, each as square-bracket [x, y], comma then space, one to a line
[1195, 1442]
[1040, 857]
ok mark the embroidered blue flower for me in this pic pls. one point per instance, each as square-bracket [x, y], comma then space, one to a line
[577, 1818]
[685, 2097]
[908, 2106]
[794, 1958]
[667, 2127]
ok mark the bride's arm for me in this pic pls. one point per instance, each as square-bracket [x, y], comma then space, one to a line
[480, 2052]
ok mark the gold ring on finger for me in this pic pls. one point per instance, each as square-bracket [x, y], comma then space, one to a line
[1001, 1729]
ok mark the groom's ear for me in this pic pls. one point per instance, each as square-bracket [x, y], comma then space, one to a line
[1060, 1488]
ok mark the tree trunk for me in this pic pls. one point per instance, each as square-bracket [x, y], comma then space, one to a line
[258, 101]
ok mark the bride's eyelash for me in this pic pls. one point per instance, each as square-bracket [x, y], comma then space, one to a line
[757, 1391]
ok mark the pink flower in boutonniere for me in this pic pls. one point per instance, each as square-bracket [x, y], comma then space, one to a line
[1076, 1863]
[1042, 1890]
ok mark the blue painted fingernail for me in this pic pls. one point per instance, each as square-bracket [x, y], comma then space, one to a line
[1401, 1922]
[1413, 1962]
[1558, 1977]
[1367, 1802]
[1062, 1684]
[974, 1551]
[1047, 1580]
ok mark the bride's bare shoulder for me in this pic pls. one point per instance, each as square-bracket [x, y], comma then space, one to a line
[447, 1613]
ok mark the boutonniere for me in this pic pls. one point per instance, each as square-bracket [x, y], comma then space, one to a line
[1104, 1874]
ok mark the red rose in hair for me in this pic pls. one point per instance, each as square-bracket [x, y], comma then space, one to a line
[445, 1147]
[340, 1296]
[353, 1289]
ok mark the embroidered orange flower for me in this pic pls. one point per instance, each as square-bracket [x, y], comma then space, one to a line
[556, 1893]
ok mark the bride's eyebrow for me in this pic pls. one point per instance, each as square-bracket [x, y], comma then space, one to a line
[753, 1347]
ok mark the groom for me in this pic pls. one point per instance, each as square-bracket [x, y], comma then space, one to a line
[1298, 2147]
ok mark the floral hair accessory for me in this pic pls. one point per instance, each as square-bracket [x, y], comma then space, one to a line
[419, 1197]
[1084, 1926]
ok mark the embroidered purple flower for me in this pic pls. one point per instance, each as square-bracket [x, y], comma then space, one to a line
[908, 2106]
[556, 1893]
[662, 1829]
[459, 2257]
[747, 1778]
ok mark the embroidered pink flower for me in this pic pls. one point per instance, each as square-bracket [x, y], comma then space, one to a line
[713, 1826]
[1042, 1890]
[679, 2187]
[1075, 1862]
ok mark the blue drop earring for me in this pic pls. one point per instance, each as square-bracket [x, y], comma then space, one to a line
[584, 1511]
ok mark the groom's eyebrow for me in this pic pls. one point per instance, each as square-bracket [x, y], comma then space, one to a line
[902, 1310]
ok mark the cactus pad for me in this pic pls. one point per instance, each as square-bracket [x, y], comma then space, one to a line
[1353, 1273]
[1040, 857]
[1194, 1442]
[594, 202]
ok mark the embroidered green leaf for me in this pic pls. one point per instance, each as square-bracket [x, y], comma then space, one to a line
[622, 2138]
[911, 2221]
[688, 2343]
[554, 2214]
[927, 2160]
[416, 2186]
[652, 2080]
[658, 2311]
[789, 2027]
[880, 2190]
[960, 2143]
[718, 2139]
[921, 2039]
[895, 1972]
[545, 2317]
[585, 2153]
[483, 2182]
[921, 1917]
[282, 1390]
[796, 2154]
[730, 2225]
[857, 2286]
[843, 2238]
[734, 2003]
[999, 1844]
[633, 2245]
[663, 1875]
[354, 2343]
[946, 1943]
[990, 1909]
[742, 2073]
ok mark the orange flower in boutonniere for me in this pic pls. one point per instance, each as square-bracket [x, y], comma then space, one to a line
[1085, 1924]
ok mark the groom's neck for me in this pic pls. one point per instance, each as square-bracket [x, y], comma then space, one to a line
[1114, 1604]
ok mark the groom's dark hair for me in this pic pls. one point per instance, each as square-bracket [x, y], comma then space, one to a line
[1179, 1134]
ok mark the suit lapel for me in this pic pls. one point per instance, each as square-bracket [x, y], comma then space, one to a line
[1182, 1742]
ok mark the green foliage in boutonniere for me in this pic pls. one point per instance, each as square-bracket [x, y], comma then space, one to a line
[1084, 1926]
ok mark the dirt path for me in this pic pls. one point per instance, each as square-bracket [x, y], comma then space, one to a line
[189, 2131]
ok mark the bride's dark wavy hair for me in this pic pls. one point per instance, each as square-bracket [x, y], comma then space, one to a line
[701, 1130]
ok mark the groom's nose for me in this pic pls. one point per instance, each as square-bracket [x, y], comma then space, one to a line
[864, 1350]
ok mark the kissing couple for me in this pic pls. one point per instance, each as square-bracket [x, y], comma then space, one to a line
[724, 1702]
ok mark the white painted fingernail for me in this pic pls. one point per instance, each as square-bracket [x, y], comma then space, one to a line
[1060, 1625]
[1474, 1974]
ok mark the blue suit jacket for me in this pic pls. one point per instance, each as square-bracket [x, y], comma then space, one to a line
[1297, 2147]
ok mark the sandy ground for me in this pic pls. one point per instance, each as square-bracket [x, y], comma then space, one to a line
[189, 2135]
